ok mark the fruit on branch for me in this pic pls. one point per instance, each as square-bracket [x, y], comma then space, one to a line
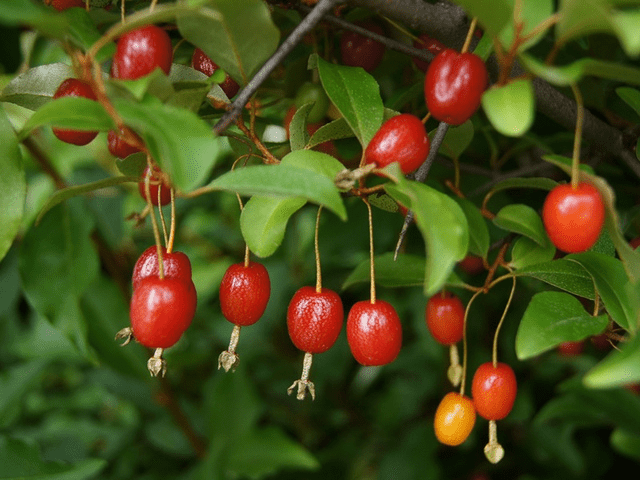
[444, 315]
[161, 310]
[118, 147]
[244, 293]
[494, 390]
[359, 51]
[140, 51]
[175, 265]
[374, 332]
[314, 319]
[313, 93]
[425, 42]
[72, 87]
[570, 349]
[61, 5]
[453, 86]
[201, 62]
[573, 217]
[401, 139]
[454, 419]
[471, 265]
[156, 182]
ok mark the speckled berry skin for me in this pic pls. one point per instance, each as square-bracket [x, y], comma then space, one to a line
[444, 315]
[161, 310]
[244, 293]
[494, 390]
[72, 87]
[201, 62]
[140, 51]
[453, 86]
[401, 139]
[314, 319]
[175, 265]
[374, 332]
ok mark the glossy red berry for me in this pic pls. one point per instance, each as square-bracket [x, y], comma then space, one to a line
[72, 87]
[494, 390]
[161, 310]
[175, 265]
[154, 183]
[454, 85]
[374, 332]
[401, 139]
[140, 51]
[360, 51]
[118, 147]
[61, 5]
[244, 293]
[445, 318]
[454, 419]
[201, 62]
[425, 42]
[573, 218]
[314, 319]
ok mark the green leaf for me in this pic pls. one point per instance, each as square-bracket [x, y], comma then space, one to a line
[317, 162]
[263, 222]
[531, 14]
[70, 192]
[356, 95]
[631, 96]
[621, 298]
[524, 220]
[626, 443]
[620, 367]
[492, 15]
[35, 87]
[181, 142]
[510, 108]
[441, 222]
[268, 450]
[572, 73]
[21, 460]
[26, 12]
[552, 318]
[70, 112]
[133, 165]
[580, 18]
[334, 130]
[13, 186]
[282, 181]
[478, 230]
[564, 274]
[15, 383]
[406, 271]
[298, 135]
[526, 252]
[238, 36]
[457, 139]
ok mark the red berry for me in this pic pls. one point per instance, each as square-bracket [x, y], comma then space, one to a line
[425, 42]
[471, 265]
[61, 5]
[244, 293]
[374, 332]
[494, 390]
[401, 139]
[360, 51]
[72, 87]
[573, 218]
[175, 265]
[118, 147]
[161, 310]
[454, 85]
[201, 62]
[314, 319]
[635, 243]
[454, 419]
[445, 318]
[140, 51]
[154, 184]
[570, 349]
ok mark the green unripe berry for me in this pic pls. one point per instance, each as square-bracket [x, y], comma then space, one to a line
[313, 93]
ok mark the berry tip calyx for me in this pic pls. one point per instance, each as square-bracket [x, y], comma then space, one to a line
[125, 334]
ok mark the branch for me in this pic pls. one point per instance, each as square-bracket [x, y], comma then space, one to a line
[307, 24]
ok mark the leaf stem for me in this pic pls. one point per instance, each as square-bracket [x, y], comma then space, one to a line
[494, 353]
[467, 41]
[317, 253]
[372, 270]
